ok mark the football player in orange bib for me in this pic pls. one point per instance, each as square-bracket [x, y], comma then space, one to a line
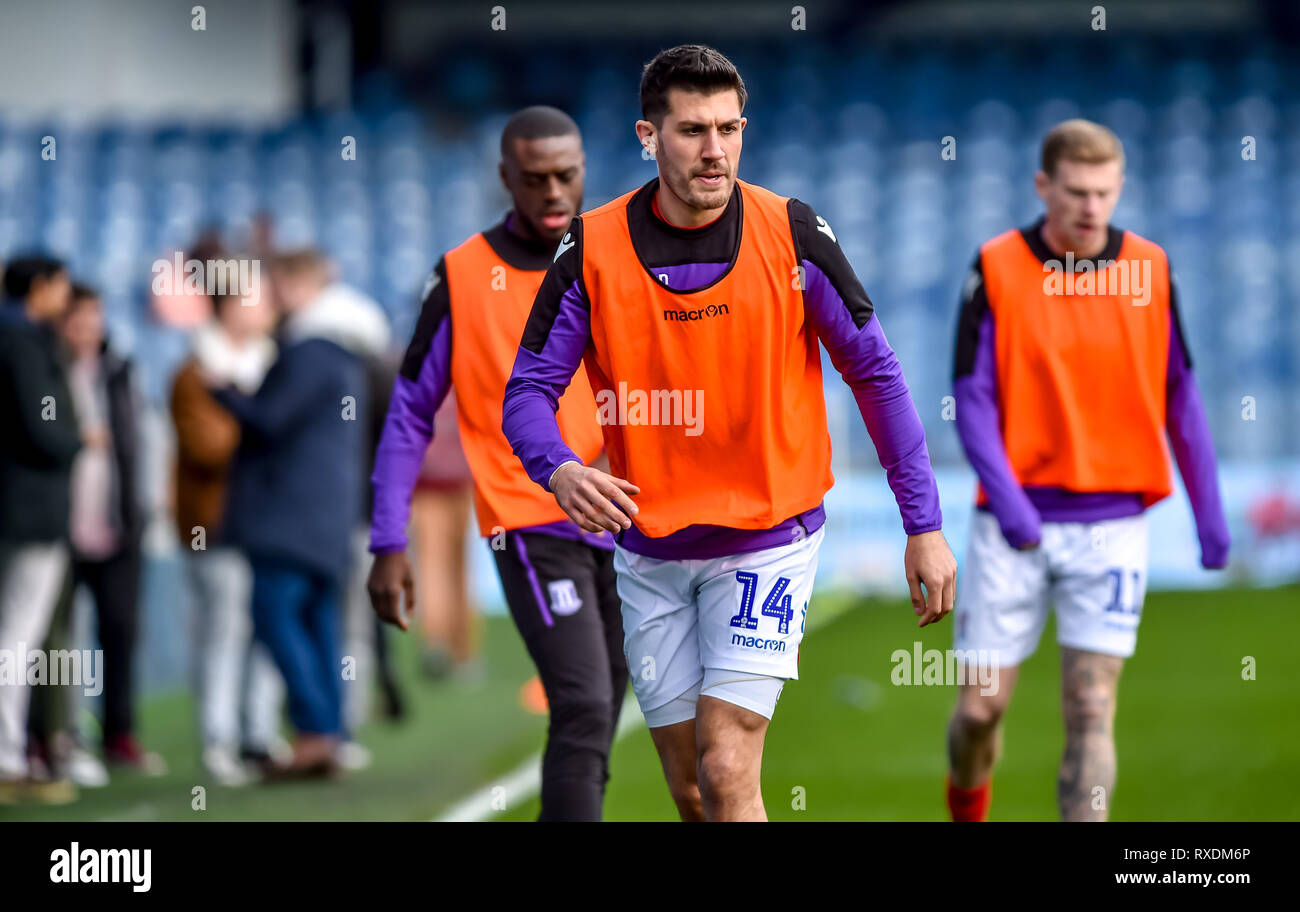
[698, 303]
[558, 579]
[1071, 371]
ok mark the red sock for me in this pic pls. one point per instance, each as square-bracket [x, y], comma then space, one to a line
[969, 805]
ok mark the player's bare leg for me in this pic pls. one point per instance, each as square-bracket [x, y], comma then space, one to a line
[975, 729]
[1089, 688]
[678, 757]
[730, 740]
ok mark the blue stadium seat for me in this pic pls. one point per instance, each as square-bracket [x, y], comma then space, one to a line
[861, 143]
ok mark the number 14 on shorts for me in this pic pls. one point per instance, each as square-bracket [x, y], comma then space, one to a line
[777, 604]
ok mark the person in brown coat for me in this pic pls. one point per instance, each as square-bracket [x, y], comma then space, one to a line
[230, 669]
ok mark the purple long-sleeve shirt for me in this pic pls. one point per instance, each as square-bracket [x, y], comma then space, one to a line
[837, 309]
[1020, 511]
[420, 388]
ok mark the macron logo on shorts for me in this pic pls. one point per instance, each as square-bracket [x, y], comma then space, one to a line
[564, 597]
[757, 642]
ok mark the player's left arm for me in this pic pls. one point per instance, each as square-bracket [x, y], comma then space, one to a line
[556, 336]
[1192, 445]
[844, 319]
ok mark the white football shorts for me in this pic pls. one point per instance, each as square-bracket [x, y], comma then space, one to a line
[1093, 574]
[726, 627]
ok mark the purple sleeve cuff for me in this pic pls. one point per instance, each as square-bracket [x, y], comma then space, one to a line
[408, 428]
[1193, 449]
[869, 366]
[980, 431]
[536, 384]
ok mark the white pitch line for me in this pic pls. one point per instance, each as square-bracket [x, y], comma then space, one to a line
[525, 780]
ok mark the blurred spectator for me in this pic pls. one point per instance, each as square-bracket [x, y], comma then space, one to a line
[295, 488]
[106, 526]
[37, 448]
[231, 670]
[175, 310]
[104, 512]
[440, 508]
[304, 276]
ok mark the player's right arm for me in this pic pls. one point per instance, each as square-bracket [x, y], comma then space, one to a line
[555, 338]
[420, 387]
[975, 388]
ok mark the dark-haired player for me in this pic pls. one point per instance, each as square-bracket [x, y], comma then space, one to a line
[558, 579]
[698, 302]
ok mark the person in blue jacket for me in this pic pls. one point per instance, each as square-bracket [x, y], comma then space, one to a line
[295, 494]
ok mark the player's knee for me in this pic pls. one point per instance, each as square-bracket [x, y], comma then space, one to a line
[1088, 708]
[725, 771]
[978, 718]
[680, 773]
[585, 720]
[685, 791]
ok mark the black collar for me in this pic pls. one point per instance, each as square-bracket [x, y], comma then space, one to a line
[659, 244]
[1033, 236]
[643, 205]
[517, 252]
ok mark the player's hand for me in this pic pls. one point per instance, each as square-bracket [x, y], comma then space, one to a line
[930, 563]
[1214, 556]
[1022, 527]
[390, 580]
[593, 499]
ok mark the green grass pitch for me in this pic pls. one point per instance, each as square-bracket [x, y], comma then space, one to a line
[1195, 740]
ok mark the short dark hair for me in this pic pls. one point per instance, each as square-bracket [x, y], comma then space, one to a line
[84, 292]
[82, 295]
[22, 273]
[694, 67]
[536, 122]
